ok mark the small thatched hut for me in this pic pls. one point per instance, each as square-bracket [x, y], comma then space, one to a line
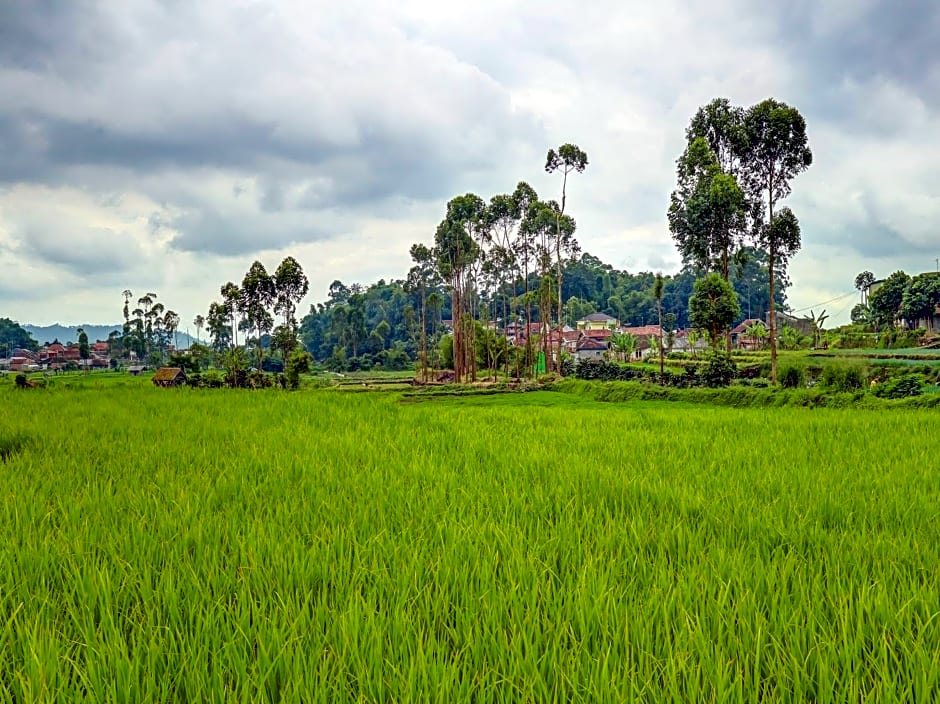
[169, 376]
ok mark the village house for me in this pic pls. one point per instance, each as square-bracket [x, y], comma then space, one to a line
[740, 337]
[801, 325]
[22, 364]
[932, 323]
[603, 335]
[682, 343]
[591, 349]
[598, 321]
[643, 333]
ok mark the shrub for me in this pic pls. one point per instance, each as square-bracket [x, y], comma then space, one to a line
[259, 380]
[792, 377]
[843, 378]
[607, 371]
[902, 386]
[855, 379]
[213, 379]
[897, 339]
[298, 363]
[718, 371]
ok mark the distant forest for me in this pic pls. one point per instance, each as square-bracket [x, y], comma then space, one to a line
[381, 322]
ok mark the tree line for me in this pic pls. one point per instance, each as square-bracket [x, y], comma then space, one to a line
[388, 323]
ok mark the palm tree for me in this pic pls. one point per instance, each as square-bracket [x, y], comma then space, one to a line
[693, 337]
[624, 345]
[757, 331]
[199, 322]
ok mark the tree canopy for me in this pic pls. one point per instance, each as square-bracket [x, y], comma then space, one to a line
[713, 306]
[13, 336]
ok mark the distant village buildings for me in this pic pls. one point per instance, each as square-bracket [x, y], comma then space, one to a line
[56, 356]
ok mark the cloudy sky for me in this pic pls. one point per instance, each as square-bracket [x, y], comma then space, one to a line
[163, 145]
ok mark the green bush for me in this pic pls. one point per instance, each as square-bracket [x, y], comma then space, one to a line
[902, 386]
[792, 377]
[845, 378]
[213, 379]
[898, 339]
[855, 379]
[298, 363]
[718, 371]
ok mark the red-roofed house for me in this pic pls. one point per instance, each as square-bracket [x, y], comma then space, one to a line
[591, 349]
[603, 334]
[740, 338]
[643, 333]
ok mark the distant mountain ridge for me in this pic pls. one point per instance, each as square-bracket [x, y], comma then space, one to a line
[44, 334]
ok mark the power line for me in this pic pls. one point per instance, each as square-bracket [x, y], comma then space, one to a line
[831, 300]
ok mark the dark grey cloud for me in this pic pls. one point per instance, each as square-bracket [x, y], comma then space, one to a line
[51, 35]
[865, 229]
[896, 39]
[209, 231]
[354, 138]
[854, 59]
[84, 251]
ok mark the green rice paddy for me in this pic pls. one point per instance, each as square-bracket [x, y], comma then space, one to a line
[183, 546]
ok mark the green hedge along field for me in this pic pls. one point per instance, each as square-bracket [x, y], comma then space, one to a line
[177, 545]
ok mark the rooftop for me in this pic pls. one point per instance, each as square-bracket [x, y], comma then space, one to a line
[597, 318]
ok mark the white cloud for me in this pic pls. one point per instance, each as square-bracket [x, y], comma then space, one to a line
[179, 142]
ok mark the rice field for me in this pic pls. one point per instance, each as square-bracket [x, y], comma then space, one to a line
[321, 546]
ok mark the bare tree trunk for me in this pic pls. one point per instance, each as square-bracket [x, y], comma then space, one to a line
[725, 274]
[528, 323]
[457, 353]
[560, 312]
[771, 252]
[424, 333]
[564, 187]
[662, 359]
[506, 324]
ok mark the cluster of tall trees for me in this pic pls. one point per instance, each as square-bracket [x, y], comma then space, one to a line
[148, 329]
[491, 264]
[734, 172]
[501, 261]
[390, 323]
[251, 308]
[900, 298]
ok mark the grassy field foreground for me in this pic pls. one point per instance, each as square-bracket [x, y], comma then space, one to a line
[174, 545]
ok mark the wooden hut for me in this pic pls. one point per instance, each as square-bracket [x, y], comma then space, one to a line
[169, 376]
